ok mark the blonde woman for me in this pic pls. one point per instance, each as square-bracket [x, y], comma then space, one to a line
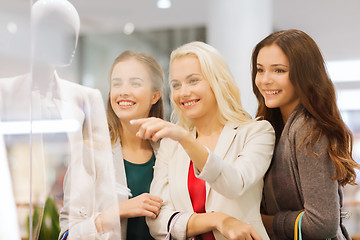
[210, 166]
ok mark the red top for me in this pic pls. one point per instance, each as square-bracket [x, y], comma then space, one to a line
[197, 191]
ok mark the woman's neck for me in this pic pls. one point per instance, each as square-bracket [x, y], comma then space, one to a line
[286, 111]
[134, 149]
[208, 133]
[208, 126]
[209, 130]
[129, 139]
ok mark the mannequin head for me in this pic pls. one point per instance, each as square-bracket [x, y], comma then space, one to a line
[55, 30]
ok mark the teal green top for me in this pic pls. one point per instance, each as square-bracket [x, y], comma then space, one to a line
[139, 177]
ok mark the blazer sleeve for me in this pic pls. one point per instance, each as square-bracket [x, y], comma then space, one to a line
[318, 189]
[160, 187]
[248, 163]
[89, 184]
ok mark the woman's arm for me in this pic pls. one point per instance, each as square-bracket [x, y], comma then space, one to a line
[230, 178]
[155, 129]
[188, 224]
[144, 205]
[320, 193]
[245, 165]
[229, 227]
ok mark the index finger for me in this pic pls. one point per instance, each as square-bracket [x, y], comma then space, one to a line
[138, 121]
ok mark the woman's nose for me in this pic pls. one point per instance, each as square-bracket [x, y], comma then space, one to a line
[124, 89]
[266, 78]
[184, 90]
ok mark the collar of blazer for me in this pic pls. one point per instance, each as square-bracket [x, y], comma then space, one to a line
[121, 184]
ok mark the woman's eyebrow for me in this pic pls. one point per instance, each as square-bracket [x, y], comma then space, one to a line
[136, 78]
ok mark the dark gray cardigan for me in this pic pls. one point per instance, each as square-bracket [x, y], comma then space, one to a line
[297, 181]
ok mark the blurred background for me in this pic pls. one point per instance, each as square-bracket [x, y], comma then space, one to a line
[109, 27]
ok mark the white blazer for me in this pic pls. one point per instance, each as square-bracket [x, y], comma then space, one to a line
[233, 174]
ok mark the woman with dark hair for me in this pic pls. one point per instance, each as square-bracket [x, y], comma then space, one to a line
[313, 153]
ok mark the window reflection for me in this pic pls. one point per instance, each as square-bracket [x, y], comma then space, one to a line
[42, 156]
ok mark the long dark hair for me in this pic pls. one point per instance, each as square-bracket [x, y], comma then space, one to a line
[316, 92]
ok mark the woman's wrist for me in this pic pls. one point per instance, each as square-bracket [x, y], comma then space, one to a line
[200, 223]
[186, 138]
[122, 209]
[219, 220]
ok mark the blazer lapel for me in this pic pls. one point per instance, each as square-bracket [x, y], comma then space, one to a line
[119, 165]
[222, 146]
[182, 165]
[225, 140]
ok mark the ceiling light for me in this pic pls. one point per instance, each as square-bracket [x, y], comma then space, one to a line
[163, 4]
[129, 28]
[12, 27]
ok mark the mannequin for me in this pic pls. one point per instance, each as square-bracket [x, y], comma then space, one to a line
[57, 22]
[55, 31]
[43, 95]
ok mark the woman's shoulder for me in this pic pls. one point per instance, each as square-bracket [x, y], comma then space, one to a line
[300, 124]
[303, 131]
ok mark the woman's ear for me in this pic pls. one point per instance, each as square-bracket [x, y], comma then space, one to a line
[155, 97]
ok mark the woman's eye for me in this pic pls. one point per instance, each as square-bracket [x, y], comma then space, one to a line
[259, 70]
[116, 83]
[193, 81]
[136, 84]
[279, 70]
[176, 85]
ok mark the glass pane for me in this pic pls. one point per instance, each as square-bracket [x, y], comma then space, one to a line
[14, 106]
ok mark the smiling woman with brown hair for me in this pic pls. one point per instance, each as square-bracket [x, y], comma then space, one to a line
[313, 154]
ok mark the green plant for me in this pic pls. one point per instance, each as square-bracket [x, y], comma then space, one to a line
[50, 227]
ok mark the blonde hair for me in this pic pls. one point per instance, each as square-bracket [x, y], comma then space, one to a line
[216, 71]
[157, 80]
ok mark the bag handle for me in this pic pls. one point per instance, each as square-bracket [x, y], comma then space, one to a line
[298, 227]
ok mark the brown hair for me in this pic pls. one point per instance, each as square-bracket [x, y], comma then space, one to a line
[157, 79]
[316, 92]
